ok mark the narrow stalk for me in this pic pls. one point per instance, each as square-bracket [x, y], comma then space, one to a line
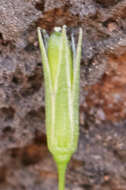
[61, 166]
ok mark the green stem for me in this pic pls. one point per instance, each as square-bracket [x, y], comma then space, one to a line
[61, 166]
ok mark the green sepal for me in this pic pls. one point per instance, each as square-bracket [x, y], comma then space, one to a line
[62, 97]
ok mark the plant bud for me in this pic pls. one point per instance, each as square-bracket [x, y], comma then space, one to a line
[61, 73]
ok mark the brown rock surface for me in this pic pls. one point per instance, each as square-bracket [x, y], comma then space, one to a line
[100, 162]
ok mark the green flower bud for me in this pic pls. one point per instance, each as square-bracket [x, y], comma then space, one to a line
[61, 73]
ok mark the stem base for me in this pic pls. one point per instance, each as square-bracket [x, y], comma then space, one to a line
[61, 166]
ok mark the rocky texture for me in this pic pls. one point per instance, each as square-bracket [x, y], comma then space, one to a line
[100, 162]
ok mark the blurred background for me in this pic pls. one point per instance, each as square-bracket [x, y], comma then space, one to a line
[100, 162]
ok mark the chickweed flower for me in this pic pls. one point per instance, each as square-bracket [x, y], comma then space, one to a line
[61, 65]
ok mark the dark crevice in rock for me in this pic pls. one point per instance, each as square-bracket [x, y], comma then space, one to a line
[32, 155]
[29, 154]
[30, 48]
[7, 113]
[40, 5]
[1, 36]
[87, 186]
[8, 130]
[3, 171]
[106, 3]
[32, 84]
[18, 77]
[40, 138]
[34, 115]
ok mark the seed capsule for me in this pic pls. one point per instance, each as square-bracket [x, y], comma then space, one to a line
[62, 94]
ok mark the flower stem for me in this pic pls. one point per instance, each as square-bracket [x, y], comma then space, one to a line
[61, 166]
